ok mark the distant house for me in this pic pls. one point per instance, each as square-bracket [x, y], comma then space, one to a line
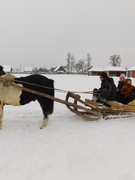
[131, 72]
[7, 68]
[95, 71]
[59, 69]
[28, 69]
[114, 71]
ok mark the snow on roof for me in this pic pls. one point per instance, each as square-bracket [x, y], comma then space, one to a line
[59, 68]
[114, 68]
[7, 68]
[110, 68]
[56, 69]
[96, 69]
[132, 68]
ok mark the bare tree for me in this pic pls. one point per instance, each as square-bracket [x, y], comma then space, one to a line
[72, 63]
[80, 65]
[115, 60]
[88, 59]
[77, 67]
[68, 62]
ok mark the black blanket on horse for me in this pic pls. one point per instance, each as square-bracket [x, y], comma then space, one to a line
[38, 83]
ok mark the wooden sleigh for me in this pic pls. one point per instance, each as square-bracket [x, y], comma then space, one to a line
[96, 112]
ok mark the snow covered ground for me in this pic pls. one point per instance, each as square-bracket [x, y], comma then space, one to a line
[70, 148]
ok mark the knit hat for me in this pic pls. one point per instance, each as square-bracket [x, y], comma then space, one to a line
[122, 75]
[103, 75]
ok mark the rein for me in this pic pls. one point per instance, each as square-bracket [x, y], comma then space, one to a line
[59, 90]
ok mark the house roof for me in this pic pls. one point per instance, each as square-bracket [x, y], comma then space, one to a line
[97, 69]
[114, 68]
[56, 69]
[132, 68]
[59, 68]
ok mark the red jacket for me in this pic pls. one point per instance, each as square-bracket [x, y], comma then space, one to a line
[127, 89]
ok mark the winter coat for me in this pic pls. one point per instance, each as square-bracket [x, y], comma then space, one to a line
[108, 84]
[120, 85]
[119, 96]
[127, 89]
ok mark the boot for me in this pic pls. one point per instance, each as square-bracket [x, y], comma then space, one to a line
[94, 98]
[101, 101]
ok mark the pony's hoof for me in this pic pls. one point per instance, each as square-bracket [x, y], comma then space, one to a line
[44, 124]
[42, 127]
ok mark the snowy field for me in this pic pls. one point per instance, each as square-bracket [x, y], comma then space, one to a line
[69, 148]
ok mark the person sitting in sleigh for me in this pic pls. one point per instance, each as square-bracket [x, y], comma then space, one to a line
[121, 83]
[128, 92]
[107, 91]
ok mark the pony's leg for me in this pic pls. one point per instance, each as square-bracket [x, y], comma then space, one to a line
[1, 115]
[45, 122]
[45, 114]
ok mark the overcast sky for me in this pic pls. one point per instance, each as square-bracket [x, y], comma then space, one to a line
[40, 33]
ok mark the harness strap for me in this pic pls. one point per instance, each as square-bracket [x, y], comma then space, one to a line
[60, 90]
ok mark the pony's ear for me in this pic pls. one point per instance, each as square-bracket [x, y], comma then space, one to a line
[1, 68]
